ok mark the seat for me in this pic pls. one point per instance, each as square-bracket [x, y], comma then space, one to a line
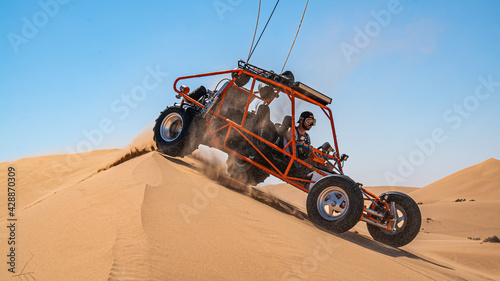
[263, 126]
[287, 123]
[282, 129]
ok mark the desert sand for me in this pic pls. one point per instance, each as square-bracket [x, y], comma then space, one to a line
[116, 215]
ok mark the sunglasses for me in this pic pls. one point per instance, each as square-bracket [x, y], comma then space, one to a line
[310, 121]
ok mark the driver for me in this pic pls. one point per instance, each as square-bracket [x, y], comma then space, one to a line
[306, 122]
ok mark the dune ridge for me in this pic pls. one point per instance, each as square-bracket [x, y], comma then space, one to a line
[478, 182]
[141, 144]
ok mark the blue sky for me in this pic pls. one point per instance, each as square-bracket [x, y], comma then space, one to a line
[415, 84]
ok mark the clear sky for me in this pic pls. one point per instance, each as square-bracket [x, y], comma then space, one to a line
[415, 84]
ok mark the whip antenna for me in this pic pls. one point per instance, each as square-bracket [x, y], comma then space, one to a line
[254, 33]
[295, 36]
[251, 53]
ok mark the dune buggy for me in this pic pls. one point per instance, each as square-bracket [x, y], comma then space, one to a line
[237, 118]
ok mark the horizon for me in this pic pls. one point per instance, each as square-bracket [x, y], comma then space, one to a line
[415, 86]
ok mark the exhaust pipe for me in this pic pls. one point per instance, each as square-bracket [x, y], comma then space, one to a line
[374, 213]
[374, 223]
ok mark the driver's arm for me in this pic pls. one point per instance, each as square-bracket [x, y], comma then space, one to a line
[327, 166]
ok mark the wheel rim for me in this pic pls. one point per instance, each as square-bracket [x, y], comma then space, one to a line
[400, 221]
[171, 127]
[242, 165]
[333, 203]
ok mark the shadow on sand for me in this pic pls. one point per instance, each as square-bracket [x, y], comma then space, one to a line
[378, 247]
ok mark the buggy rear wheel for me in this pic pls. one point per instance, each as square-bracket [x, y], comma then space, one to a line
[407, 224]
[242, 170]
[172, 132]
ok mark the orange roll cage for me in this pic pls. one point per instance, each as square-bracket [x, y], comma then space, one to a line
[231, 126]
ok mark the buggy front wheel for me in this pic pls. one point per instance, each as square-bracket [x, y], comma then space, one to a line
[335, 203]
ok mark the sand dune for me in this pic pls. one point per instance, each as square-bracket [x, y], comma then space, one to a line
[42, 176]
[480, 182]
[154, 217]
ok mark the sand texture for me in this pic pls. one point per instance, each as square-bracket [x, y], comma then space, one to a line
[154, 217]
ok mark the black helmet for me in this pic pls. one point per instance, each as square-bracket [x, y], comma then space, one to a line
[306, 114]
